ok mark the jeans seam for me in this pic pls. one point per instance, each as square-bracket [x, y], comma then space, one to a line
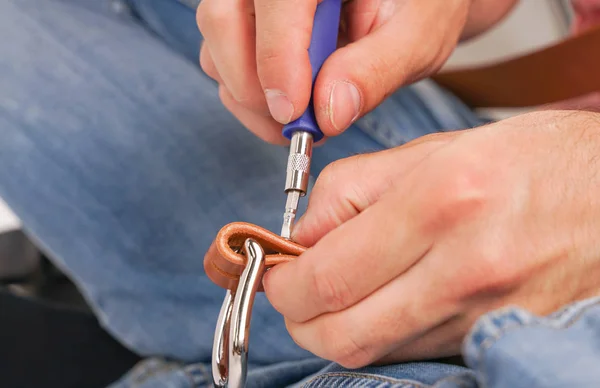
[492, 340]
[148, 371]
[153, 366]
[196, 379]
[412, 383]
[575, 317]
[459, 380]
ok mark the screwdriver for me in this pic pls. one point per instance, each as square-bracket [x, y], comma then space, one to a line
[304, 131]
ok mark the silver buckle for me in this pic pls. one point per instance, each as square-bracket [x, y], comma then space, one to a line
[230, 345]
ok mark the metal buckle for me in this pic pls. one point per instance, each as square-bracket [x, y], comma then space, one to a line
[230, 345]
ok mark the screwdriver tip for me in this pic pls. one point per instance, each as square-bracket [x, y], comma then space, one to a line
[286, 229]
[289, 216]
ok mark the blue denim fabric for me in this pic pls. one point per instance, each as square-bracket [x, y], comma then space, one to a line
[121, 162]
[514, 348]
[506, 348]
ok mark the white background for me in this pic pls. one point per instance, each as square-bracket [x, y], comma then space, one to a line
[7, 220]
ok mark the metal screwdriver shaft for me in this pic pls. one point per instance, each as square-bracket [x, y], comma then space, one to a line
[297, 176]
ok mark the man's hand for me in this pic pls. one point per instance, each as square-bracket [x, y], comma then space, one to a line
[411, 245]
[257, 52]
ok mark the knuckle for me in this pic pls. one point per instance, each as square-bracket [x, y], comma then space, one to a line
[460, 193]
[465, 186]
[225, 97]
[494, 270]
[332, 342]
[251, 98]
[332, 291]
[437, 137]
[266, 54]
[212, 14]
[347, 352]
[339, 198]
[228, 105]
[331, 172]
[229, 99]
[336, 173]
[269, 65]
[297, 335]
[376, 83]
[201, 15]
[269, 136]
[206, 63]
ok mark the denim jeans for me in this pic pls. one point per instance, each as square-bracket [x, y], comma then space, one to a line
[119, 159]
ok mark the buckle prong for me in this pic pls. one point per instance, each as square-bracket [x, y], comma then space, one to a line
[230, 345]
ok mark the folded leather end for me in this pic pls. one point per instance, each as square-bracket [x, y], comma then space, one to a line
[224, 263]
[219, 270]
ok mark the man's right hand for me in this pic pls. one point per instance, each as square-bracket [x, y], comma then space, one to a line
[257, 52]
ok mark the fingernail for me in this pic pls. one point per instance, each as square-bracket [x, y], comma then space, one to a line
[266, 276]
[297, 228]
[280, 106]
[344, 104]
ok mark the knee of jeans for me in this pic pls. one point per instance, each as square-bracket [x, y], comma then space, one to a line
[150, 324]
[513, 347]
[158, 372]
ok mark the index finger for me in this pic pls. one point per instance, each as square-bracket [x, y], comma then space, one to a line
[283, 34]
[351, 262]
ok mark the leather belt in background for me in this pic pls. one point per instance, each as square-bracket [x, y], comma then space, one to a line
[564, 71]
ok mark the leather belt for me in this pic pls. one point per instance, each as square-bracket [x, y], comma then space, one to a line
[563, 71]
[224, 261]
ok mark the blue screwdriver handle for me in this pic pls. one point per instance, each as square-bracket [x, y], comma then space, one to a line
[322, 44]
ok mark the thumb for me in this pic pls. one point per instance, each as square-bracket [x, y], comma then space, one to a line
[348, 186]
[413, 41]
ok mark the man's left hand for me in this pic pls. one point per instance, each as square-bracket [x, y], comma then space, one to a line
[411, 245]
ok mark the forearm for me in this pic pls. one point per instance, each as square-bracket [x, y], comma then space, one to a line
[484, 14]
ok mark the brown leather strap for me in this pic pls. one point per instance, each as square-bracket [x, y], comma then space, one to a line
[224, 262]
[566, 70]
